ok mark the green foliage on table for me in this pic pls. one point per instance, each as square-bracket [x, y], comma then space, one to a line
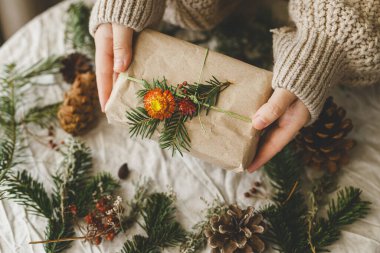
[77, 33]
[296, 225]
[14, 85]
[160, 225]
[72, 186]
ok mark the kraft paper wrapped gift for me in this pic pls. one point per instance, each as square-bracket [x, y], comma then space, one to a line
[224, 141]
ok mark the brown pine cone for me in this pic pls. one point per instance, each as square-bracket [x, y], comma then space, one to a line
[75, 64]
[324, 144]
[236, 231]
[80, 107]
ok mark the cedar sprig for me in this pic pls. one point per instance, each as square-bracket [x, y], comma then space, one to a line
[159, 224]
[347, 208]
[77, 33]
[43, 116]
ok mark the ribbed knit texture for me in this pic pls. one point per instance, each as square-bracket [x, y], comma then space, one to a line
[136, 14]
[333, 41]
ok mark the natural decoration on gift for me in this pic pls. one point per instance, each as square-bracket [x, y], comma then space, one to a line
[75, 64]
[236, 230]
[80, 108]
[324, 144]
[14, 85]
[77, 34]
[173, 106]
[72, 195]
[295, 226]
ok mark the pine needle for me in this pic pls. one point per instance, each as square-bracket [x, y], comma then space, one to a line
[43, 116]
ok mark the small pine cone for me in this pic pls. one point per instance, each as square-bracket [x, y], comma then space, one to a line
[80, 107]
[324, 144]
[235, 231]
[75, 64]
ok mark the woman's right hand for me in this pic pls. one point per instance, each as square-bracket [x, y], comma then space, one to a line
[113, 55]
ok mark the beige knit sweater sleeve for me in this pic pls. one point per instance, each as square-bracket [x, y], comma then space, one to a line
[136, 14]
[334, 41]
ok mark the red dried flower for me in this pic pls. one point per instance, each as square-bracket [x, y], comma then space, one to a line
[186, 107]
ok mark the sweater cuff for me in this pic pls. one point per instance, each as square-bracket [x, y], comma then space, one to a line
[136, 14]
[308, 64]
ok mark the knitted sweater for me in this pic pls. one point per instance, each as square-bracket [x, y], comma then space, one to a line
[333, 41]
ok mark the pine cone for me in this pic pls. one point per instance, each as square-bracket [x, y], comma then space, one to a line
[235, 231]
[81, 106]
[75, 64]
[323, 143]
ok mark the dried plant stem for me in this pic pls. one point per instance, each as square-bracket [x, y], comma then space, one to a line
[60, 240]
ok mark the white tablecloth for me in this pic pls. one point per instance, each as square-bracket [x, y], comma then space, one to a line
[190, 178]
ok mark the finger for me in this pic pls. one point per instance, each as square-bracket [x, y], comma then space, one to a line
[273, 109]
[104, 62]
[279, 136]
[122, 47]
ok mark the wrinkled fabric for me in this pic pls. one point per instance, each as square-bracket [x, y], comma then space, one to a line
[190, 178]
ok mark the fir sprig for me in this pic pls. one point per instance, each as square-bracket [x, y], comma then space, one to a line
[159, 224]
[42, 116]
[174, 135]
[347, 208]
[141, 124]
[76, 31]
[287, 215]
[23, 189]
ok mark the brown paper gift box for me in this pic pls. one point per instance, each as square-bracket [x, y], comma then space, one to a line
[224, 141]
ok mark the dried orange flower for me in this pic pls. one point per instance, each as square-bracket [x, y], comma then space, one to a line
[159, 104]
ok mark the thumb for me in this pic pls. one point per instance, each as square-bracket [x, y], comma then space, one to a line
[122, 47]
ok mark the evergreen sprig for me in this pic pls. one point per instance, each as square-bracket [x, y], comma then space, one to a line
[42, 116]
[287, 215]
[159, 224]
[347, 208]
[23, 189]
[174, 135]
[141, 123]
[76, 31]
[12, 80]
[293, 227]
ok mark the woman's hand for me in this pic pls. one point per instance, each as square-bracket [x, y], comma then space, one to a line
[113, 55]
[289, 115]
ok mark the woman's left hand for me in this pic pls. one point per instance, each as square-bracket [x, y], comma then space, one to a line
[285, 115]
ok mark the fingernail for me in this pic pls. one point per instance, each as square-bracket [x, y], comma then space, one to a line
[258, 123]
[118, 65]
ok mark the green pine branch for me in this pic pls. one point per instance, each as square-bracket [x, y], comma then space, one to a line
[141, 124]
[25, 190]
[160, 225]
[174, 135]
[56, 229]
[347, 208]
[287, 216]
[77, 33]
[42, 116]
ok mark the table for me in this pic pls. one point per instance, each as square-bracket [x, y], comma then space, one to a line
[189, 177]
